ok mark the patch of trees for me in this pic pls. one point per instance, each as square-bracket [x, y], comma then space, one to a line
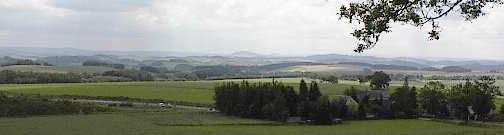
[329, 78]
[276, 101]
[456, 69]
[9, 76]
[102, 64]
[183, 67]
[20, 105]
[12, 62]
[403, 102]
[381, 66]
[469, 100]
[218, 70]
[356, 63]
[393, 67]
[134, 75]
[379, 80]
[152, 69]
[472, 100]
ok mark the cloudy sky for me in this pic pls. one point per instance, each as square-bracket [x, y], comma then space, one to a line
[284, 27]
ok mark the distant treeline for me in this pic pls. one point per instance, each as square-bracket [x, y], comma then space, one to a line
[103, 64]
[9, 76]
[18, 77]
[134, 75]
[20, 105]
[217, 72]
[13, 61]
[472, 100]
[456, 69]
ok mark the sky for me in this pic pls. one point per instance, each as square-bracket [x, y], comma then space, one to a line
[279, 27]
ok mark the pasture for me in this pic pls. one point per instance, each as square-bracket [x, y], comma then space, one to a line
[187, 91]
[180, 122]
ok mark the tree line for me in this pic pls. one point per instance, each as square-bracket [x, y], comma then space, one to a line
[275, 101]
[102, 64]
[21, 105]
[19, 77]
[12, 61]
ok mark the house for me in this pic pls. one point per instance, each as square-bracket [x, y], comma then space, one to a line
[374, 96]
[378, 102]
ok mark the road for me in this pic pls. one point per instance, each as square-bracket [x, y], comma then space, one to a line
[135, 104]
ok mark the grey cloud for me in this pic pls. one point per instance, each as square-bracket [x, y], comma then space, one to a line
[222, 26]
[101, 5]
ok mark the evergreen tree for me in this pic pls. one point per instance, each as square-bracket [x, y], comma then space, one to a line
[314, 93]
[322, 114]
[303, 91]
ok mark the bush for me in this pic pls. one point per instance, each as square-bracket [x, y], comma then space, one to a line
[495, 117]
[502, 109]
[19, 105]
[126, 105]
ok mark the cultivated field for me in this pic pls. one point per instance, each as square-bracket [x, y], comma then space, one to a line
[181, 122]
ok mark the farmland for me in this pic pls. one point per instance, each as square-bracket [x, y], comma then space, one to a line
[188, 91]
[177, 122]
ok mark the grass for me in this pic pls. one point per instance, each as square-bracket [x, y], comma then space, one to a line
[188, 91]
[203, 123]
[197, 92]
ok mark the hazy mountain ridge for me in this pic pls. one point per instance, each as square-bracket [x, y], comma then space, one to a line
[72, 56]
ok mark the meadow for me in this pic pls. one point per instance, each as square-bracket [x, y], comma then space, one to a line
[129, 121]
[187, 91]
[183, 122]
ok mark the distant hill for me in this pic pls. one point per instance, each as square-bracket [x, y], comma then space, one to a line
[78, 60]
[46, 52]
[168, 59]
[246, 54]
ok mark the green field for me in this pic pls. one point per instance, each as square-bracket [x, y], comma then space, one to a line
[188, 91]
[57, 69]
[202, 123]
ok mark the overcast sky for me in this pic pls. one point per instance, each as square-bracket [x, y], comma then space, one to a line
[285, 27]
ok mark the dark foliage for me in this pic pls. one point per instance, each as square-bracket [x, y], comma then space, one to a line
[103, 64]
[134, 75]
[19, 105]
[276, 101]
[379, 80]
[8, 76]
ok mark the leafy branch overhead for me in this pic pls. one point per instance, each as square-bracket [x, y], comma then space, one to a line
[375, 16]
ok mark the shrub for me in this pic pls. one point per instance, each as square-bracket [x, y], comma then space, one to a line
[126, 105]
[20, 105]
[502, 109]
